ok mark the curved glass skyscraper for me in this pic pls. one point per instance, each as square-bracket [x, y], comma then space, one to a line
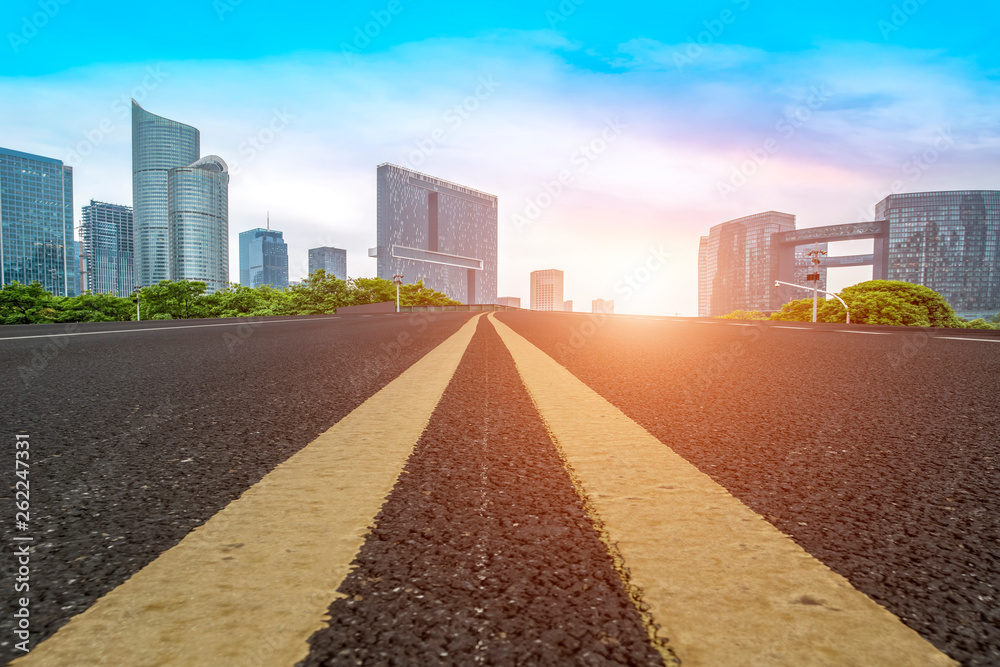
[158, 145]
[198, 222]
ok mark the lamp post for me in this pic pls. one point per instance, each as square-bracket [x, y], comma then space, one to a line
[782, 282]
[138, 317]
[814, 276]
[398, 279]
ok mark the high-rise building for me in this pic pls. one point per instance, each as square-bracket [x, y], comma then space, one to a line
[331, 260]
[440, 232]
[198, 222]
[947, 241]
[509, 301]
[107, 249]
[606, 306]
[36, 222]
[158, 145]
[547, 290]
[263, 258]
[567, 306]
[736, 268]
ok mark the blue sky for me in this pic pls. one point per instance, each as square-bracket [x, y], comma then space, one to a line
[666, 117]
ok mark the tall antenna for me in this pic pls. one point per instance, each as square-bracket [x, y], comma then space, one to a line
[268, 221]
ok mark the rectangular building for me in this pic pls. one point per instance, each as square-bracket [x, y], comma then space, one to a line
[36, 222]
[440, 232]
[509, 301]
[266, 260]
[107, 248]
[950, 242]
[331, 260]
[605, 306]
[736, 268]
[547, 290]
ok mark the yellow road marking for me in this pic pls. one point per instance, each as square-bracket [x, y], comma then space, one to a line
[253, 583]
[725, 586]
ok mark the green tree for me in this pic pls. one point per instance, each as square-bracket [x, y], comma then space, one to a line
[892, 302]
[800, 310]
[27, 304]
[417, 295]
[980, 323]
[321, 293]
[743, 315]
[172, 300]
[242, 301]
[88, 307]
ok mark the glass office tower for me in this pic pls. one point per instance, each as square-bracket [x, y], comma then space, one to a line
[198, 222]
[736, 268]
[331, 260]
[106, 231]
[158, 145]
[948, 241]
[36, 222]
[546, 290]
[437, 231]
[267, 259]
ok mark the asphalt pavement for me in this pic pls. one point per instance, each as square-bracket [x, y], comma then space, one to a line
[875, 450]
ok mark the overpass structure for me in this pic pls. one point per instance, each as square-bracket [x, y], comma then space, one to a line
[783, 246]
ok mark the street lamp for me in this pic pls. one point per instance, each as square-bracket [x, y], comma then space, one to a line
[138, 288]
[782, 282]
[398, 279]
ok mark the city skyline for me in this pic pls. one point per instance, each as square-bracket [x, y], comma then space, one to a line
[664, 122]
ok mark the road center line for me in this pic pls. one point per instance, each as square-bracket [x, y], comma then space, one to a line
[725, 586]
[252, 584]
[988, 340]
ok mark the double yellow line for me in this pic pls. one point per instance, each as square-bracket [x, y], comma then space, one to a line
[717, 584]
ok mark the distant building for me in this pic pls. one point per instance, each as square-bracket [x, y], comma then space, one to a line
[158, 145]
[440, 232]
[331, 260]
[263, 258]
[947, 241]
[547, 290]
[568, 306]
[736, 268]
[36, 222]
[198, 222]
[107, 248]
[606, 306]
[509, 301]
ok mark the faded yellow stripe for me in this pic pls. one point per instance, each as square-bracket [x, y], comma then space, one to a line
[253, 583]
[726, 587]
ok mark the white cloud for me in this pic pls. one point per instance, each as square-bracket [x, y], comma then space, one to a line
[655, 184]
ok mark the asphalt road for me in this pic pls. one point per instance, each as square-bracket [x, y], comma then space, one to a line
[876, 452]
[138, 437]
[879, 453]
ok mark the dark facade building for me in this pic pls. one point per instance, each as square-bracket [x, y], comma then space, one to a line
[440, 232]
[331, 260]
[36, 222]
[107, 249]
[736, 268]
[950, 242]
[266, 260]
